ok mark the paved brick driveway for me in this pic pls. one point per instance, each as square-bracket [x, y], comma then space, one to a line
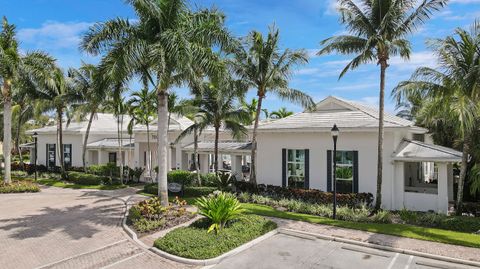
[63, 228]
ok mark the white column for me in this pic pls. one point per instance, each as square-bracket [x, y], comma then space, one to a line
[169, 158]
[398, 186]
[100, 159]
[442, 196]
[237, 166]
[136, 155]
[178, 156]
[203, 163]
[220, 161]
[450, 181]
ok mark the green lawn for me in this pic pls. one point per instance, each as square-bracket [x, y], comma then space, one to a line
[61, 184]
[404, 230]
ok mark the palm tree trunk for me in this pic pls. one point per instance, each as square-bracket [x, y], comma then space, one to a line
[463, 173]
[162, 139]
[85, 140]
[378, 201]
[7, 130]
[121, 148]
[149, 154]
[215, 150]
[60, 142]
[253, 157]
[17, 138]
[195, 156]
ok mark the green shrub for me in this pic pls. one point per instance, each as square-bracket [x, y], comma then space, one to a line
[144, 225]
[134, 214]
[244, 197]
[180, 176]
[408, 216]
[382, 216]
[219, 208]
[152, 188]
[224, 181]
[195, 243]
[209, 180]
[19, 186]
[85, 179]
[105, 170]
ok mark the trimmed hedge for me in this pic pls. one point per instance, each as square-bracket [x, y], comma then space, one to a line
[305, 195]
[194, 242]
[19, 187]
[434, 220]
[152, 188]
[85, 179]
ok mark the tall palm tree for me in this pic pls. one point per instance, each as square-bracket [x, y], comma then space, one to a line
[14, 68]
[218, 109]
[378, 30]
[58, 93]
[281, 113]
[142, 106]
[89, 83]
[160, 45]
[265, 67]
[250, 107]
[451, 93]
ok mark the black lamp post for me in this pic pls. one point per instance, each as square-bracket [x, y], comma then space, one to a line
[35, 136]
[335, 133]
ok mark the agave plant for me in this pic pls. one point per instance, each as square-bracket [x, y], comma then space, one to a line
[219, 207]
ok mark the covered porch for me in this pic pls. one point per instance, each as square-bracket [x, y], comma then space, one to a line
[107, 151]
[234, 156]
[424, 176]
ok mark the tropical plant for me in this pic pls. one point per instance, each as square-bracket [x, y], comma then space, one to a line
[161, 46]
[378, 31]
[251, 108]
[281, 113]
[450, 93]
[16, 68]
[219, 207]
[90, 84]
[262, 65]
[224, 180]
[142, 109]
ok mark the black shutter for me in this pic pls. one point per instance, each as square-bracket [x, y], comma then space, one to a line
[307, 169]
[329, 170]
[355, 171]
[284, 167]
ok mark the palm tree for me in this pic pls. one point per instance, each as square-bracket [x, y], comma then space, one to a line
[88, 81]
[265, 67]
[251, 108]
[378, 31]
[218, 109]
[15, 68]
[142, 107]
[116, 103]
[281, 113]
[160, 46]
[451, 93]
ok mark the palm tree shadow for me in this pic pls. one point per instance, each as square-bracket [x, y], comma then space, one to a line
[77, 221]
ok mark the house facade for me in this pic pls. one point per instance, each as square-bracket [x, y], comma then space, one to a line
[296, 151]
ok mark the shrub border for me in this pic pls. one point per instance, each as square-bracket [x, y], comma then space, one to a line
[179, 259]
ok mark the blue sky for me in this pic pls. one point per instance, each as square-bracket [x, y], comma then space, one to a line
[56, 26]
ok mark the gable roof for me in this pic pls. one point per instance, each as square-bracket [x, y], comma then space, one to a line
[411, 150]
[343, 113]
[177, 123]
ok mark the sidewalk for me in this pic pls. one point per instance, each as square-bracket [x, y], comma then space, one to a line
[453, 251]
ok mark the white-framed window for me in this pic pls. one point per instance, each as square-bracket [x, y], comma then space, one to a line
[295, 168]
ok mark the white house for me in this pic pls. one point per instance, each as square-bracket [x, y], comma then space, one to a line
[295, 151]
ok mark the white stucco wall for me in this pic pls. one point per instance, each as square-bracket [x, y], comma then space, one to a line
[269, 158]
[75, 140]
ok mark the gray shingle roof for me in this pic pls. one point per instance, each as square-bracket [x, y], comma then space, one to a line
[333, 110]
[410, 150]
[111, 143]
[223, 146]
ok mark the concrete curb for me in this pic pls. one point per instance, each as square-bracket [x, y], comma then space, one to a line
[179, 259]
[303, 234]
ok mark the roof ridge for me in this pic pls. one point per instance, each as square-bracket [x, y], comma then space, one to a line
[423, 144]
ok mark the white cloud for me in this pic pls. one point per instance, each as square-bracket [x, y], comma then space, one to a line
[465, 1]
[417, 59]
[332, 7]
[54, 34]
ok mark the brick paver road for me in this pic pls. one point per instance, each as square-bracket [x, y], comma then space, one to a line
[63, 228]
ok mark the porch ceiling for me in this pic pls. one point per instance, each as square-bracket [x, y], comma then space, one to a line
[411, 150]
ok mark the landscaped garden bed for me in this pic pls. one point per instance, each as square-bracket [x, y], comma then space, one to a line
[224, 228]
[19, 186]
[150, 216]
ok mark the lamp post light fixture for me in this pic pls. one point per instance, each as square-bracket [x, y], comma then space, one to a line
[335, 133]
[35, 136]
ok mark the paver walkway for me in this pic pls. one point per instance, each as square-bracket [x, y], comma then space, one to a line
[64, 228]
[459, 252]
